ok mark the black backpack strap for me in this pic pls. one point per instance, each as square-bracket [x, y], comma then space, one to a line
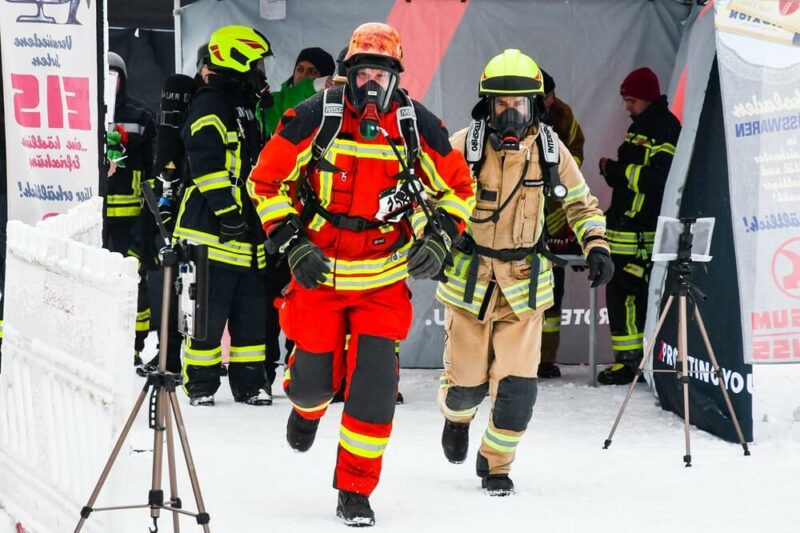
[474, 146]
[549, 157]
[329, 127]
[407, 124]
[332, 113]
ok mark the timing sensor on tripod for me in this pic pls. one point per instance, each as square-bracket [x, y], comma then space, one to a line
[683, 239]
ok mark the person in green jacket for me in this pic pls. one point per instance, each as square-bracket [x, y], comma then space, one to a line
[312, 70]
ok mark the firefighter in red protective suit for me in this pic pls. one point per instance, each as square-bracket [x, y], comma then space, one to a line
[350, 246]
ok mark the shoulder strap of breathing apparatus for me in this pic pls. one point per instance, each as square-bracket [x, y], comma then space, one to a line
[332, 116]
[547, 141]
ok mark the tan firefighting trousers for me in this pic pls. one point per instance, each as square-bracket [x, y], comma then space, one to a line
[480, 352]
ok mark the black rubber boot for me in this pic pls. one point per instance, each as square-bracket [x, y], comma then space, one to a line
[617, 374]
[548, 370]
[354, 509]
[498, 485]
[300, 433]
[482, 468]
[495, 484]
[455, 441]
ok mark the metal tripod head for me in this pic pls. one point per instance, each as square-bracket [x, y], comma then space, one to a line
[684, 266]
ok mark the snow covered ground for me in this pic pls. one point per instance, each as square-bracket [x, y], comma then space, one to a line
[253, 482]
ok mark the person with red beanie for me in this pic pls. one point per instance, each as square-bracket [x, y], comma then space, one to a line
[637, 177]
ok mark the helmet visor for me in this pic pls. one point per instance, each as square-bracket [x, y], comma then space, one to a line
[260, 66]
[372, 84]
[513, 112]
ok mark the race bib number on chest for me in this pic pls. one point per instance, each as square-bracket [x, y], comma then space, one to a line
[395, 202]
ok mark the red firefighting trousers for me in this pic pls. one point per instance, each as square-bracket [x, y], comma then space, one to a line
[318, 320]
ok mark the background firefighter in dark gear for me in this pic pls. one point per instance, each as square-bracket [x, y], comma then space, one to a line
[501, 283]
[130, 150]
[638, 177]
[350, 248]
[560, 237]
[171, 171]
[222, 140]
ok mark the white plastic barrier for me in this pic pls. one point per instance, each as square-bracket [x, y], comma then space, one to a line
[65, 385]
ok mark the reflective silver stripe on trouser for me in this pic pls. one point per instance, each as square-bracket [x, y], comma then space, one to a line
[500, 442]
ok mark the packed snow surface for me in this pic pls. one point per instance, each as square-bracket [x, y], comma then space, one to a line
[253, 482]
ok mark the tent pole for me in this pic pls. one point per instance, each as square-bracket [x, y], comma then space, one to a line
[176, 12]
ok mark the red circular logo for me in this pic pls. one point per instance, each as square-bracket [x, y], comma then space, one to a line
[787, 7]
[786, 268]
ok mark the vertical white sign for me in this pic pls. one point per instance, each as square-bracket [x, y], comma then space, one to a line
[51, 117]
[272, 9]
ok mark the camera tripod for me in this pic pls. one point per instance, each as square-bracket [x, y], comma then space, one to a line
[686, 293]
[163, 405]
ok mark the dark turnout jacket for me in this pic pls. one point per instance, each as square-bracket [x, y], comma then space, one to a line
[639, 174]
[222, 140]
[125, 186]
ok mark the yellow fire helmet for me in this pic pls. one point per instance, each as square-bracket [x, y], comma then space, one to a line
[237, 48]
[510, 73]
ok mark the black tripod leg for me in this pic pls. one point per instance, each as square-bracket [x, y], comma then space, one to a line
[202, 516]
[646, 357]
[88, 508]
[722, 386]
[174, 501]
[683, 375]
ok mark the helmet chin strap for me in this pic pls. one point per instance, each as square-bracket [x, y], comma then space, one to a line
[369, 122]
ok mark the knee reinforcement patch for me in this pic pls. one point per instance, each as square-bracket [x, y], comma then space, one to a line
[312, 378]
[373, 385]
[461, 398]
[513, 406]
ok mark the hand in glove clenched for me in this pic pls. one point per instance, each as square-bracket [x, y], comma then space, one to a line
[601, 268]
[428, 256]
[308, 263]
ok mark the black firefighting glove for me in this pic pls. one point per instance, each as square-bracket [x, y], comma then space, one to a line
[233, 227]
[308, 263]
[615, 174]
[430, 255]
[601, 267]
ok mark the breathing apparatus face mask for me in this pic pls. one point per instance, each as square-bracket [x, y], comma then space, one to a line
[371, 88]
[510, 117]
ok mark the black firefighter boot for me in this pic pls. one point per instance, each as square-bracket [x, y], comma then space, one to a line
[623, 371]
[455, 441]
[495, 484]
[300, 432]
[354, 509]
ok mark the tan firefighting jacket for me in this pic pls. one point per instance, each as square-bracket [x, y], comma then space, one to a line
[519, 226]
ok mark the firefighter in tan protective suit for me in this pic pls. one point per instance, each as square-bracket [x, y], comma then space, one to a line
[501, 280]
